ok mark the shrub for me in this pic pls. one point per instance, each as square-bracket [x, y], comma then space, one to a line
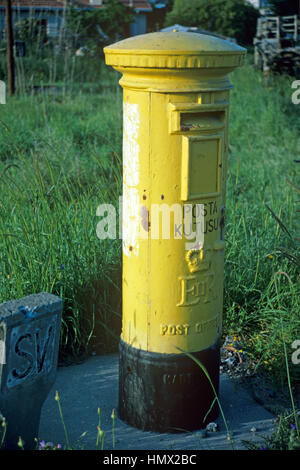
[233, 18]
[96, 27]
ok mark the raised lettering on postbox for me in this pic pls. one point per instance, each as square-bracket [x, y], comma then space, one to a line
[200, 284]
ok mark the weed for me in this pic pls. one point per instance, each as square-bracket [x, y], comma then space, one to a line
[283, 438]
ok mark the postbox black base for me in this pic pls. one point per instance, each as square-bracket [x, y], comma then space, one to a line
[167, 392]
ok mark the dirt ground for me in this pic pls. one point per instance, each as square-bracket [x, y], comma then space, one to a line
[273, 397]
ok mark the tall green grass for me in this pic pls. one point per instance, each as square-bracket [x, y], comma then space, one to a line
[53, 64]
[58, 162]
[264, 137]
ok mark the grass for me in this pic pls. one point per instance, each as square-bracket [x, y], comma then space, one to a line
[284, 437]
[264, 137]
[60, 157]
[42, 65]
[58, 161]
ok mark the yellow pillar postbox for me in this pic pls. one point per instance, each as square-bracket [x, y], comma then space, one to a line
[175, 143]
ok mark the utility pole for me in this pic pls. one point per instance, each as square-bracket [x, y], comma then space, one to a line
[10, 48]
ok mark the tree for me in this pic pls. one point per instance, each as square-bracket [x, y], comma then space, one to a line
[233, 18]
[157, 18]
[285, 7]
[31, 29]
[113, 20]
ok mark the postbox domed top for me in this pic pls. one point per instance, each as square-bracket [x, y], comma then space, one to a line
[174, 50]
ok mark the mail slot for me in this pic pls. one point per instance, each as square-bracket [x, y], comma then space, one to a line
[175, 144]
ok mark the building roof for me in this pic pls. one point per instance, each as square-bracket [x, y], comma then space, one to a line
[141, 5]
[138, 5]
[36, 3]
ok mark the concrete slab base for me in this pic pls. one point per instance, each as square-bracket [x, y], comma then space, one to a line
[85, 387]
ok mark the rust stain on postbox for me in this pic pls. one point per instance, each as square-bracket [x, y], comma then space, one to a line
[175, 142]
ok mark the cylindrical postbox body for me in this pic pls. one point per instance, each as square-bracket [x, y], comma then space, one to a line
[175, 142]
